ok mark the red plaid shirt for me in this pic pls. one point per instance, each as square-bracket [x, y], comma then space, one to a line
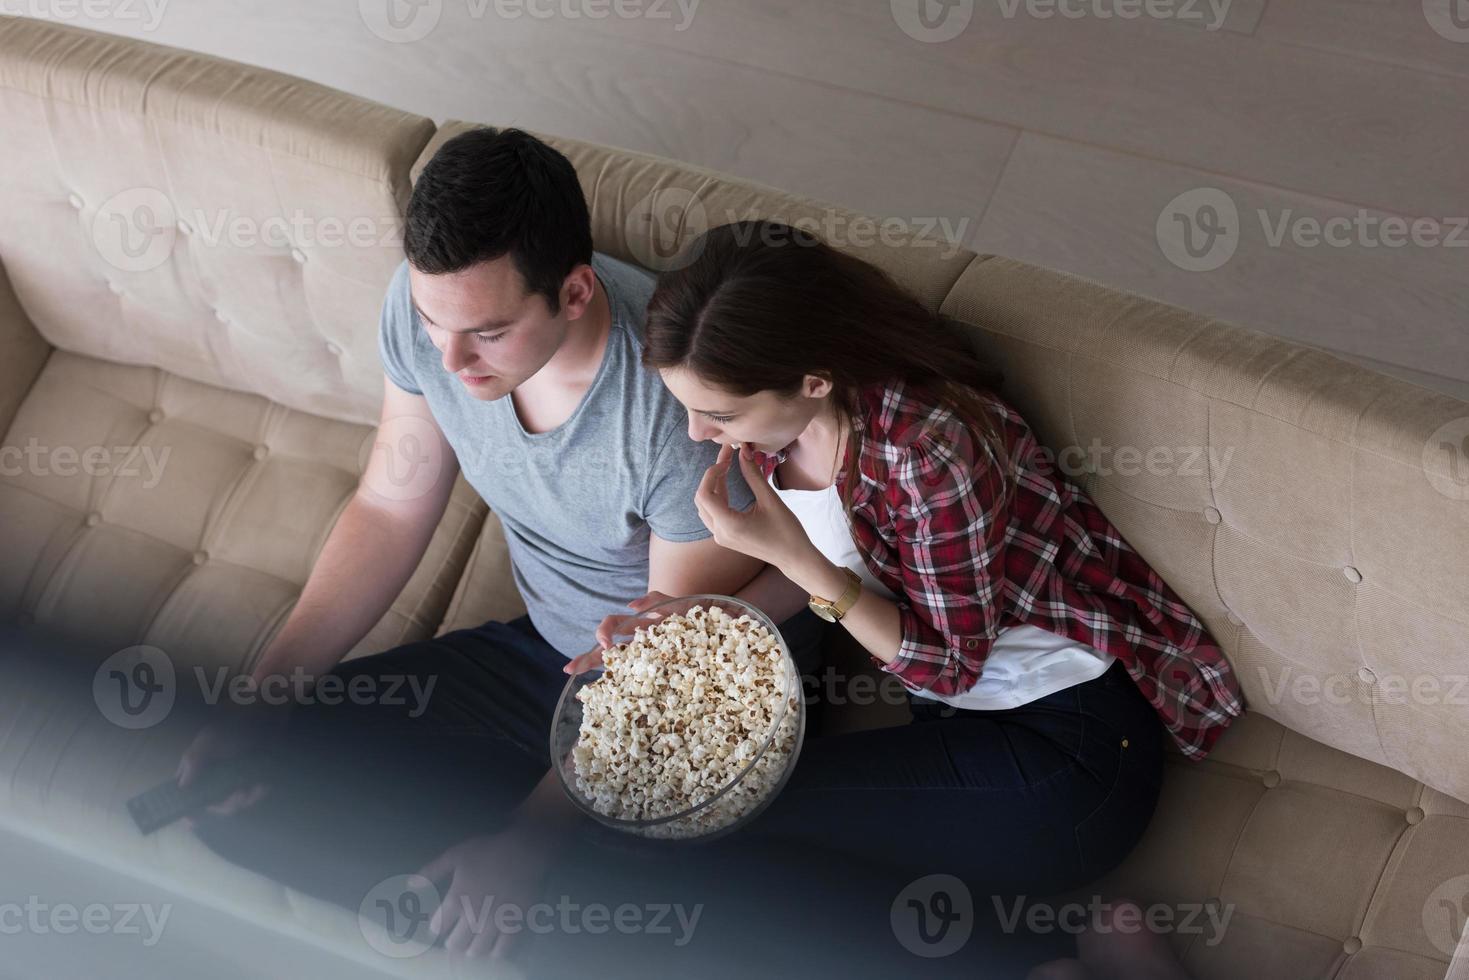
[930, 520]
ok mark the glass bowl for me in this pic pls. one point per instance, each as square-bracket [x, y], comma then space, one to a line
[712, 812]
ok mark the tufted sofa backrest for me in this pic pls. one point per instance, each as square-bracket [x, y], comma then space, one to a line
[227, 224]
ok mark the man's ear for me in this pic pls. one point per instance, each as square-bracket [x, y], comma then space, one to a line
[578, 290]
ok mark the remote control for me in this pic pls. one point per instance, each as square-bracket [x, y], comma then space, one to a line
[168, 802]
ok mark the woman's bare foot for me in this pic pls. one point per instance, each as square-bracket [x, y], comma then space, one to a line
[1117, 946]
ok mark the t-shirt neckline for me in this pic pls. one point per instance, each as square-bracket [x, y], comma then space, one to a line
[596, 379]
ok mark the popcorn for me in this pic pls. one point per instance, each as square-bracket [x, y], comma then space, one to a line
[680, 712]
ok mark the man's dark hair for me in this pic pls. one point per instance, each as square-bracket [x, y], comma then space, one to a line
[489, 193]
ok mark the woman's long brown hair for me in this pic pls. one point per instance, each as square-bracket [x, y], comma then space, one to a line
[758, 305]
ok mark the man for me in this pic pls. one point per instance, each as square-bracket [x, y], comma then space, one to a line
[511, 352]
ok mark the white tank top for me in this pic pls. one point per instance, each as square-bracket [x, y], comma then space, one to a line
[1025, 662]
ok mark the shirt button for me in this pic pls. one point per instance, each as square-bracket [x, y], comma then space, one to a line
[1236, 620]
[1415, 815]
[200, 557]
[220, 316]
[93, 519]
[155, 416]
[76, 202]
[298, 256]
[184, 228]
[114, 288]
[333, 349]
[1366, 676]
[971, 644]
[261, 452]
[1212, 515]
[1352, 944]
[1271, 779]
[1352, 574]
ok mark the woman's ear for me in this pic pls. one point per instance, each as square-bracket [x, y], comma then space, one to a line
[816, 385]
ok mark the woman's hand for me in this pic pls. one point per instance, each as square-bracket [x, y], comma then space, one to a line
[617, 626]
[767, 531]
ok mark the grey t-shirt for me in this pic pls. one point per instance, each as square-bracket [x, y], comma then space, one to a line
[578, 502]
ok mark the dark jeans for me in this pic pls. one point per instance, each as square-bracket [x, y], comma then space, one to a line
[833, 877]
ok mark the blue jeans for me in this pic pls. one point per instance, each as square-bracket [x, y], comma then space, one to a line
[1038, 799]
[1030, 800]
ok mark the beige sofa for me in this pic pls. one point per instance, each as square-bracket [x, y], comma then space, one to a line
[1325, 546]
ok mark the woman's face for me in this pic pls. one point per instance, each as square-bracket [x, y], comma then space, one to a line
[765, 421]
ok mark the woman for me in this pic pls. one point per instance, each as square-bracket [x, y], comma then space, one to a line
[902, 497]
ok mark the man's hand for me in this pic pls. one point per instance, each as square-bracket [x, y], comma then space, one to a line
[617, 625]
[225, 740]
[484, 875]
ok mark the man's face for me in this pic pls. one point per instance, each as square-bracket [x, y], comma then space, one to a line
[493, 334]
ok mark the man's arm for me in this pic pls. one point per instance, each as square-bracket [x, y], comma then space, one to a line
[698, 567]
[376, 544]
[367, 559]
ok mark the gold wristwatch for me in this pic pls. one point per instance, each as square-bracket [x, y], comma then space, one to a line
[833, 611]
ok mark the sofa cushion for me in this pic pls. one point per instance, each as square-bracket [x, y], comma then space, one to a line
[154, 509]
[1325, 864]
[228, 224]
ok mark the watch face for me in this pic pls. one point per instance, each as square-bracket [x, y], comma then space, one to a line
[823, 611]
